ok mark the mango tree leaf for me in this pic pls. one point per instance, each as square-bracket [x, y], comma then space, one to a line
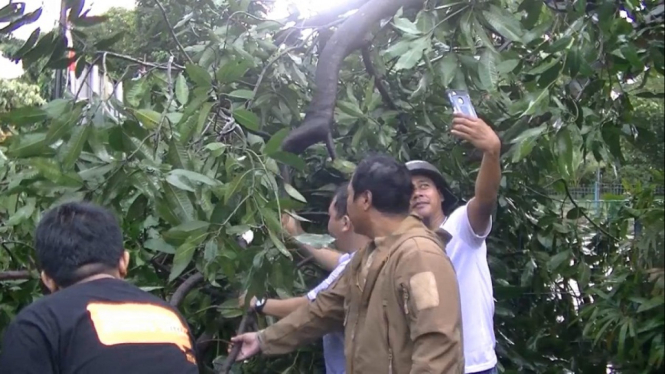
[558, 259]
[199, 75]
[28, 145]
[406, 26]
[148, 118]
[409, 59]
[159, 245]
[487, 71]
[195, 177]
[183, 256]
[294, 193]
[275, 141]
[246, 119]
[75, 145]
[315, 240]
[242, 94]
[181, 90]
[503, 23]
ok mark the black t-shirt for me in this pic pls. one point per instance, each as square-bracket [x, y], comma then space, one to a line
[104, 326]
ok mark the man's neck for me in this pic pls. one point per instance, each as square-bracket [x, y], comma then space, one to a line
[384, 225]
[436, 220]
[356, 242]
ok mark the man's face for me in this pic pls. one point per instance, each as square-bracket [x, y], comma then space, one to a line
[357, 208]
[426, 197]
[336, 226]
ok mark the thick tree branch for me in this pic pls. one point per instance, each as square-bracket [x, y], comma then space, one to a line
[319, 117]
[184, 288]
[15, 275]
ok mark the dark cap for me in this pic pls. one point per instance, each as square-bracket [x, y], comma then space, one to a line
[419, 167]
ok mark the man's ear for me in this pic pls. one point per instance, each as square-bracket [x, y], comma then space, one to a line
[367, 200]
[346, 223]
[48, 282]
[123, 264]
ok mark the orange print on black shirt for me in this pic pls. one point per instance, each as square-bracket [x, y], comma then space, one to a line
[133, 323]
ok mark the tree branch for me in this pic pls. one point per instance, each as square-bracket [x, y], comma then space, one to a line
[15, 275]
[140, 62]
[172, 32]
[378, 79]
[184, 289]
[235, 351]
[317, 124]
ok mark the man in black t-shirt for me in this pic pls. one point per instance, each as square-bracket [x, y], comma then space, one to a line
[93, 322]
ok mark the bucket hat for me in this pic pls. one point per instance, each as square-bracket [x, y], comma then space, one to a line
[450, 201]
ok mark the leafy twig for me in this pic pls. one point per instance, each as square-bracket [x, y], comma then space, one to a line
[140, 62]
[591, 221]
[172, 32]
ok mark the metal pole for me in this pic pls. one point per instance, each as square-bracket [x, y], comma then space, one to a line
[58, 88]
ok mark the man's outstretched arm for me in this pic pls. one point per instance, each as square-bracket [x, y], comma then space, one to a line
[478, 133]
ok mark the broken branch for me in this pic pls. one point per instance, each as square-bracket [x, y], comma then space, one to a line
[15, 275]
[184, 289]
[235, 351]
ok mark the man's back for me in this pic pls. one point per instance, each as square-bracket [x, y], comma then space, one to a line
[101, 326]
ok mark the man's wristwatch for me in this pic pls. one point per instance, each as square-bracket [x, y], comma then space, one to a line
[260, 303]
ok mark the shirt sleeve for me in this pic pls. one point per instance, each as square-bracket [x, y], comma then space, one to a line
[426, 283]
[323, 315]
[311, 295]
[25, 349]
[458, 224]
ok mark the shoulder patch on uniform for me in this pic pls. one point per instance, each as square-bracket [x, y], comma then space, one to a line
[424, 290]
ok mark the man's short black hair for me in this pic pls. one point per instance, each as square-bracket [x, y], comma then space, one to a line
[340, 196]
[389, 182]
[75, 234]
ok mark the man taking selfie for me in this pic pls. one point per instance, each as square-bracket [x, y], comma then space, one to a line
[469, 226]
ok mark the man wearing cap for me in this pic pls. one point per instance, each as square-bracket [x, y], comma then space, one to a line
[469, 224]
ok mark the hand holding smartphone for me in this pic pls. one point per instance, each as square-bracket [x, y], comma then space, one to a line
[461, 102]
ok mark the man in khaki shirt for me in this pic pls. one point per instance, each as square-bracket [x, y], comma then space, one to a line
[398, 298]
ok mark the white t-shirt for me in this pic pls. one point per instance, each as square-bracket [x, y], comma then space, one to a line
[468, 253]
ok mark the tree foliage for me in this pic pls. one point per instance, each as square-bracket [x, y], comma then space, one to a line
[205, 151]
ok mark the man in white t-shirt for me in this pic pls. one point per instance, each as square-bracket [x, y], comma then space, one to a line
[469, 224]
[335, 261]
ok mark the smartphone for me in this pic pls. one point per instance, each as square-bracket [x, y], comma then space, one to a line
[461, 102]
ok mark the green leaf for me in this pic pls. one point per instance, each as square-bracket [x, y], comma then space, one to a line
[565, 150]
[246, 119]
[75, 145]
[289, 159]
[159, 245]
[183, 256]
[294, 193]
[534, 105]
[409, 59]
[88, 21]
[507, 66]
[317, 241]
[406, 26]
[350, 108]
[344, 166]
[447, 68]
[242, 94]
[179, 202]
[504, 23]
[279, 245]
[558, 259]
[23, 116]
[275, 141]
[28, 145]
[232, 71]
[181, 90]
[198, 75]
[175, 181]
[530, 134]
[195, 177]
[651, 304]
[106, 43]
[487, 71]
[148, 118]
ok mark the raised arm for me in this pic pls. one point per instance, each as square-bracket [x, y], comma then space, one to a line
[478, 133]
[327, 258]
[426, 280]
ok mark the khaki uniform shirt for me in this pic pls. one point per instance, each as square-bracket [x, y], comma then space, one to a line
[398, 301]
